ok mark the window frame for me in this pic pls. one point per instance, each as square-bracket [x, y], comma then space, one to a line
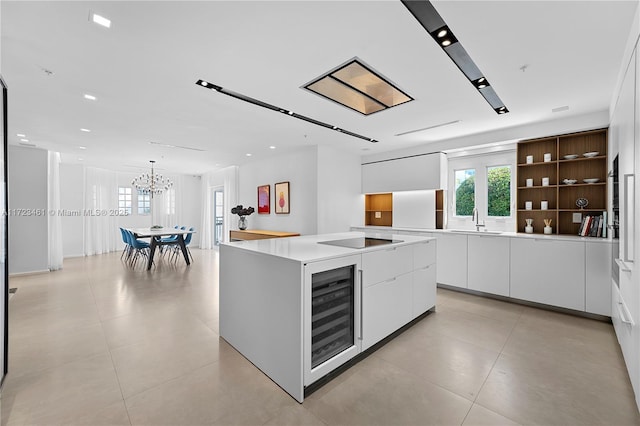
[511, 191]
[143, 199]
[454, 193]
[127, 210]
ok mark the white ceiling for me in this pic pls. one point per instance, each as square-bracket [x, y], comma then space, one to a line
[144, 68]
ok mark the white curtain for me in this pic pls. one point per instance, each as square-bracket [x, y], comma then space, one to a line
[53, 205]
[168, 208]
[228, 178]
[101, 233]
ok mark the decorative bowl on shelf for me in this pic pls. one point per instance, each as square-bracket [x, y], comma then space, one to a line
[591, 154]
[570, 156]
[569, 181]
[590, 180]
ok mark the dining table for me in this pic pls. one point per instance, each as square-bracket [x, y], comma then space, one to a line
[156, 234]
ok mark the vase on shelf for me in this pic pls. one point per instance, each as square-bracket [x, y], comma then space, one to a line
[529, 226]
[242, 223]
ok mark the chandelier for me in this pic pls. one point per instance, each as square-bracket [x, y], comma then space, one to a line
[151, 183]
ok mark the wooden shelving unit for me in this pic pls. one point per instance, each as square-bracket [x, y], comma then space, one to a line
[561, 197]
[440, 213]
[378, 204]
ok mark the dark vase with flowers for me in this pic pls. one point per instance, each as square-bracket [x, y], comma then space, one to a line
[242, 213]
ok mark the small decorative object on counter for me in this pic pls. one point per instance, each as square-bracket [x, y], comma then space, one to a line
[529, 227]
[242, 212]
[529, 159]
[528, 205]
[547, 157]
[529, 182]
[544, 205]
[547, 226]
[582, 203]
[545, 181]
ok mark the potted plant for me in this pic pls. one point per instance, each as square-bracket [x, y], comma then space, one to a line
[242, 212]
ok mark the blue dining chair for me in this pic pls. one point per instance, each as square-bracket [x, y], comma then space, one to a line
[127, 246]
[139, 247]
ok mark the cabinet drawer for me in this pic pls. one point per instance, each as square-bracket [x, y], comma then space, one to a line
[381, 265]
[424, 254]
[386, 306]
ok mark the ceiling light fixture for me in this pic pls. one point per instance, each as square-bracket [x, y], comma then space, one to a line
[82, 147]
[272, 147]
[431, 21]
[85, 130]
[90, 97]
[151, 183]
[248, 154]
[24, 140]
[100, 20]
[20, 135]
[356, 86]
[262, 104]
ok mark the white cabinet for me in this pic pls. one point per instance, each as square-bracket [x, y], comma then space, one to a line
[424, 277]
[398, 286]
[548, 271]
[598, 278]
[489, 264]
[386, 306]
[427, 171]
[452, 259]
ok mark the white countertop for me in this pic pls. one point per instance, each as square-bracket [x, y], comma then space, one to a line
[306, 248]
[383, 230]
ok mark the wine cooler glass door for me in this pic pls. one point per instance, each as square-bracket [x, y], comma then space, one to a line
[332, 315]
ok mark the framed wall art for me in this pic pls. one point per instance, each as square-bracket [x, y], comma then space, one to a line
[264, 199]
[281, 193]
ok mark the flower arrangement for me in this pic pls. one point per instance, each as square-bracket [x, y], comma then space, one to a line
[241, 211]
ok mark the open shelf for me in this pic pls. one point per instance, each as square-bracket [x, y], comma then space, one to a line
[561, 197]
[381, 205]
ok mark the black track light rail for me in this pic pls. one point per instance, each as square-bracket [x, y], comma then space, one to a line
[219, 89]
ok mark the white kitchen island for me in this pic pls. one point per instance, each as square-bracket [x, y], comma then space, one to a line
[298, 308]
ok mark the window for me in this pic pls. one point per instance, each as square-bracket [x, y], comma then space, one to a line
[499, 191]
[124, 199]
[465, 188]
[144, 202]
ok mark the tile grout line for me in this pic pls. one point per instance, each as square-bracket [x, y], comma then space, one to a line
[515, 324]
[106, 341]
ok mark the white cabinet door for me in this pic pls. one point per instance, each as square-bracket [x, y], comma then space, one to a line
[489, 264]
[386, 306]
[598, 278]
[452, 259]
[424, 254]
[418, 172]
[548, 271]
[424, 290]
[381, 265]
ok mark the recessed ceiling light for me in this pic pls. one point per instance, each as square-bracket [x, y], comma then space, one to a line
[446, 42]
[82, 147]
[248, 154]
[85, 130]
[101, 20]
[20, 135]
[272, 147]
[90, 97]
[442, 33]
[24, 140]
[80, 159]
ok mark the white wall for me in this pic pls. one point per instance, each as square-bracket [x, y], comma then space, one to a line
[340, 202]
[299, 168]
[28, 231]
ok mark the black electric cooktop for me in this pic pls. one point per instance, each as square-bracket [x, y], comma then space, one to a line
[360, 242]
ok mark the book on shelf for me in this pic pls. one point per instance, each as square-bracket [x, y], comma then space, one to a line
[593, 225]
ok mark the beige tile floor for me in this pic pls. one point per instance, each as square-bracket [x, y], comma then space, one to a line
[101, 344]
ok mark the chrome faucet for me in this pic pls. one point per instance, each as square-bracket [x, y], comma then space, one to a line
[475, 217]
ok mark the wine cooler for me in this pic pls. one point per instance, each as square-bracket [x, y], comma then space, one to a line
[332, 290]
[332, 313]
